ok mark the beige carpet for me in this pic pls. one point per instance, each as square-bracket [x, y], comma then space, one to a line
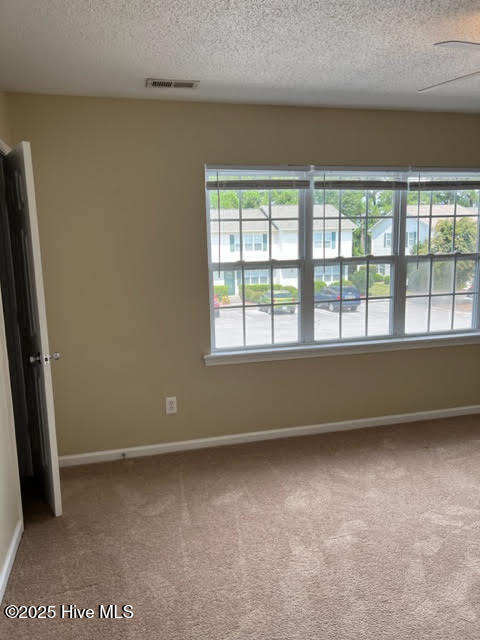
[364, 534]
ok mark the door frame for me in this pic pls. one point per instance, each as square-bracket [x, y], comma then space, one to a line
[55, 497]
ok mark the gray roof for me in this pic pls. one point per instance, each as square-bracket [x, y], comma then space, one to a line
[284, 218]
[439, 212]
[423, 210]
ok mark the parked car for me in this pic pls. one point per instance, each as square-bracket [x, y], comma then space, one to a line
[282, 302]
[329, 298]
[216, 305]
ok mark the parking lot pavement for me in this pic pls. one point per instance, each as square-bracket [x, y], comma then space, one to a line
[258, 324]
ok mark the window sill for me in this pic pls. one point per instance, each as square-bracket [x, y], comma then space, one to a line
[345, 348]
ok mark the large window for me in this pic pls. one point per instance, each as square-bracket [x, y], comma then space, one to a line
[314, 257]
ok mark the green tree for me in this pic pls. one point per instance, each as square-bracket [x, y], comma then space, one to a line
[465, 241]
[443, 242]
[285, 196]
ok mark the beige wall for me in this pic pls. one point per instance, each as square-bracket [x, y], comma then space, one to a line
[4, 122]
[122, 223]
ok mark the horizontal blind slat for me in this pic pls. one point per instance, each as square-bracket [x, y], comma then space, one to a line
[363, 185]
[241, 185]
[443, 185]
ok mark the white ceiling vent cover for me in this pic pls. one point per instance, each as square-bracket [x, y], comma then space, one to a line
[162, 83]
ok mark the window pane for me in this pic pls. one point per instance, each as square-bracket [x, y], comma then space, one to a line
[229, 205]
[285, 286]
[225, 241]
[379, 281]
[228, 328]
[258, 325]
[379, 317]
[326, 275]
[257, 287]
[255, 241]
[327, 323]
[326, 239]
[380, 203]
[442, 235]
[466, 234]
[416, 315]
[284, 239]
[442, 276]
[331, 234]
[380, 236]
[441, 313]
[227, 288]
[355, 276]
[465, 276]
[286, 323]
[353, 320]
[285, 203]
[418, 277]
[463, 316]
[417, 235]
[326, 203]
[254, 204]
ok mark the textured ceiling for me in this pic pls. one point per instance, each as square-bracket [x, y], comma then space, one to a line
[341, 52]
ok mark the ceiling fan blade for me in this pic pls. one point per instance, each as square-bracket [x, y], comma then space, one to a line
[456, 44]
[440, 84]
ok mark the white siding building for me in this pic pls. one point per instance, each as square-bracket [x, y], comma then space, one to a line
[417, 227]
[249, 238]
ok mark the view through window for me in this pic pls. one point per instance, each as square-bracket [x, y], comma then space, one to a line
[309, 256]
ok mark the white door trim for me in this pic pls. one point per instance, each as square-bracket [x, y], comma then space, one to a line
[270, 434]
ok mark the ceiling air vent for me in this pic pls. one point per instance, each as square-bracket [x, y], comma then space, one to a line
[158, 83]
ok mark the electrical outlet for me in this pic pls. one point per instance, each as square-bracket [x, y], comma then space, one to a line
[171, 405]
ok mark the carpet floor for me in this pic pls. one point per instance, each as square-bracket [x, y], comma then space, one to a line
[352, 535]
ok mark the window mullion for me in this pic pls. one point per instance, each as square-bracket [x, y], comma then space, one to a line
[400, 263]
[306, 252]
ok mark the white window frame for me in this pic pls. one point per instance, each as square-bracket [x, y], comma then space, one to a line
[398, 259]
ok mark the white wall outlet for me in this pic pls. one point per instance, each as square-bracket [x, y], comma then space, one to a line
[171, 405]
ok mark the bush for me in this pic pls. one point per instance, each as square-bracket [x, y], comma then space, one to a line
[379, 289]
[257, 287]
[345, 283]
[359, 277]
[377, 277]
[387, 279]
[253, 293]
[319, 285]
[221, 290]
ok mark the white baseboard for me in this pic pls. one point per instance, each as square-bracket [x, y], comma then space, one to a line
[270, 434]
[10, 558]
